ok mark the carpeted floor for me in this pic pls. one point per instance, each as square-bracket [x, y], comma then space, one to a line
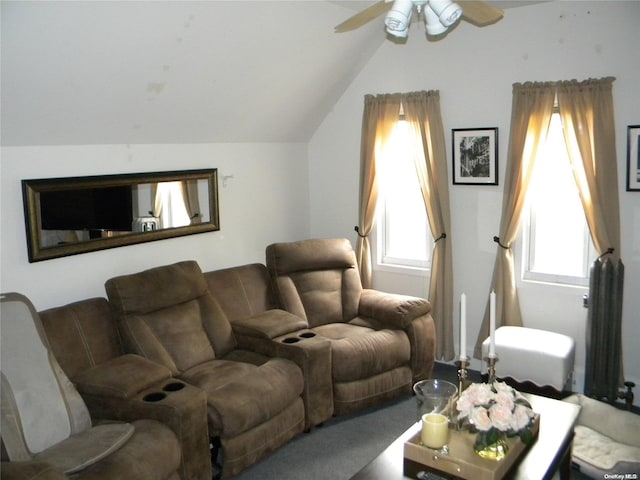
[340, 448]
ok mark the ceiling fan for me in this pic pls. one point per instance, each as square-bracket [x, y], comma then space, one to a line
[438, 15]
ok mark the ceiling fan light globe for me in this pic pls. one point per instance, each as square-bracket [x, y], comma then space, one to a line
[432, 23]
[448, 12]
[399, 17]
[399, 33]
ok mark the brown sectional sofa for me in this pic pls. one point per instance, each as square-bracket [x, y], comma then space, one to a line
[227, 356]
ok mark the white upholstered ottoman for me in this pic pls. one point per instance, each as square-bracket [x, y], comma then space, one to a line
[538, 356]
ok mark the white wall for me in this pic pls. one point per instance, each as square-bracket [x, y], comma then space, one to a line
[265, 201]
[474, 70]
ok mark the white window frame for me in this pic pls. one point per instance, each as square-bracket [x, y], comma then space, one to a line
[388, 263]
[528, 233]
[392, 263]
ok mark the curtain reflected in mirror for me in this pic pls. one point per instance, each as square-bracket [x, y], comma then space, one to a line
[66, 216]
[176, 204]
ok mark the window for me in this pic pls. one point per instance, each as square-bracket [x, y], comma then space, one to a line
[403, 234]
[557, 243]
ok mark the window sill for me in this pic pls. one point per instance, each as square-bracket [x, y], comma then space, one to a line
[552, 283]
[402, 269]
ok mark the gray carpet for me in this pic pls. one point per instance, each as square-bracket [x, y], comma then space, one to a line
[338, 449]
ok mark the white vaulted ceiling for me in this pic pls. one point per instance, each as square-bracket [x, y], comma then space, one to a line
[86, 72]
[115, 72]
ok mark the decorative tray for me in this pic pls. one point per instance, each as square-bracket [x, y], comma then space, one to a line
[461, 462]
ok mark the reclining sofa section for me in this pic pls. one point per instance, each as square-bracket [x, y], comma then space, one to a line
[381, 343]
[118, 385]
[168, 316]
[47, 430]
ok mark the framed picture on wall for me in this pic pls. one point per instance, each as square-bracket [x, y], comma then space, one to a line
[475, 156]
[633, 158]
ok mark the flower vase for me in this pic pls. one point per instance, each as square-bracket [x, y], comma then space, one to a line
[491, 445]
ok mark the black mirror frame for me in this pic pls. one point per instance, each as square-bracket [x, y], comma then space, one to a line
[31, 199]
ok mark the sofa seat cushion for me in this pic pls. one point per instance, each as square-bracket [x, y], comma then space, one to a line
[241, 396]
[359, 352]
[246, 356]
[593, 450]
[269, 324]
[338, 331]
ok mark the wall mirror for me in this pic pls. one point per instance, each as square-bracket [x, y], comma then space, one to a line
[68, 216]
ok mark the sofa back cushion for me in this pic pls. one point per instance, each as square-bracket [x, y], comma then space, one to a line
[316, 279]
[168, 315]
[82, 335]
[243, 291]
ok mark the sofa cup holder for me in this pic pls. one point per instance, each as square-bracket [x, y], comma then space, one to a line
[299, 337]
[154, 397]
[173, 387]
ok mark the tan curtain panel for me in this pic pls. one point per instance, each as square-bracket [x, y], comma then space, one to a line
[530, 116]
[157, 201]
[189, 191]
[380, 114]
[422, 111]
[587, 115]
[586, 109]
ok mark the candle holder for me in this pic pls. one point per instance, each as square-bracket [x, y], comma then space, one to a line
[491, 360]
[463, 378]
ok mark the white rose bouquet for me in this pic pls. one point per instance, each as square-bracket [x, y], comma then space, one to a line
[495, 410]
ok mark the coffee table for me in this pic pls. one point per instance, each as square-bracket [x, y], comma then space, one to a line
[549, 454]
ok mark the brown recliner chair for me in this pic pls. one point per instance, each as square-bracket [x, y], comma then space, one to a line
[254, 402]
[47, 431]
[114, 385]
[380, 343]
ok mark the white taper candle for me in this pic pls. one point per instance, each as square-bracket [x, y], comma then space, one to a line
[463, 327]
[492, 323]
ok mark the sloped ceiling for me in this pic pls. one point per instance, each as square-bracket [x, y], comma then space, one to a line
[118, 72]
[85, 72]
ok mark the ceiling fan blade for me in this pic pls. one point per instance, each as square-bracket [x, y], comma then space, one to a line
[479, 13]
[364, 16]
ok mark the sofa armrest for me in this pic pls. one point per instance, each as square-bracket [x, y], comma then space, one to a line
[121, 377]
[180, 406]
[392, 309]
[269, 324]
